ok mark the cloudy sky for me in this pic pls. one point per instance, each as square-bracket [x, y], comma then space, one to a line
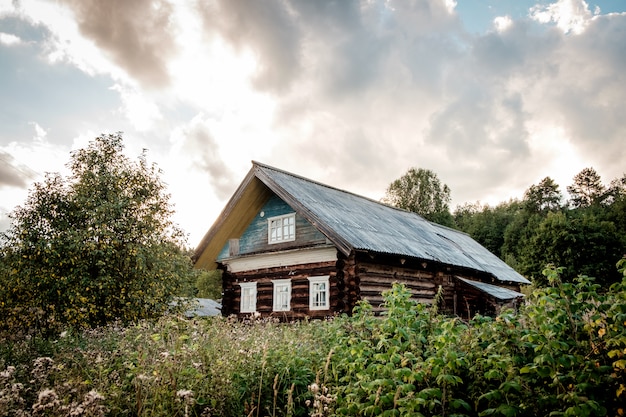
[492, 95]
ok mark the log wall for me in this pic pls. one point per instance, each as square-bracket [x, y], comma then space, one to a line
[378, 273]
[298, 274]
[360, 276]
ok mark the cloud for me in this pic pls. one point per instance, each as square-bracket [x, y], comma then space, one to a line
[350, 93]
[569, 15]
[202, 152]
[589, 93]
[267, 28]
[9, 39]
[11, 173]
[138, 109]
[136, 35]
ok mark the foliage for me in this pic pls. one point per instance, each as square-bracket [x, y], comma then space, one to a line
[582, 241]
[208, 284]
[421, 191]
[170, 367]
[584, 236]
[562, 354]
[544, 196]
[487, 225]
[587, 189]
[94, 247]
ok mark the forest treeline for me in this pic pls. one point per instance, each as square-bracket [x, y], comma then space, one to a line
[583, 233]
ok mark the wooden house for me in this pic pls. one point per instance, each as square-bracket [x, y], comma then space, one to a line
[292, 248]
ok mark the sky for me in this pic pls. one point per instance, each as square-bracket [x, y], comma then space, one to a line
[491, 95]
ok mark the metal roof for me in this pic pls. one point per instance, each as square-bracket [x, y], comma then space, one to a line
[353, 222]
[500, 293]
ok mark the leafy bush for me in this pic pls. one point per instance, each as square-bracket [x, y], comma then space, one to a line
[561, 354]
[92, 248]
[209, 284]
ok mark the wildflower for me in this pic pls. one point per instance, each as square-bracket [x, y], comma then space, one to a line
[41, 368]
[91, 405]
[185, 395]
[7, 373]
[144, 377]
[93, 396]
[47, 399]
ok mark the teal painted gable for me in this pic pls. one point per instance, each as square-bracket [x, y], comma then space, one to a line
[254, 238]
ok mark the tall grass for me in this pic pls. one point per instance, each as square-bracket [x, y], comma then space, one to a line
[171, 367]
[562, 354]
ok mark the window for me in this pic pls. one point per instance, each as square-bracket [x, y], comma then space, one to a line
[282, 294]
[248, 297]
[319, 293]
[281, 228]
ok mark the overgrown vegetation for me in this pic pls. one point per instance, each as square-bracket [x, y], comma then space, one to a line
[563, 353]
[91, 248]
[91, 263]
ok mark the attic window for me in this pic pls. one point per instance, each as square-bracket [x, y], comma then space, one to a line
[281, 228]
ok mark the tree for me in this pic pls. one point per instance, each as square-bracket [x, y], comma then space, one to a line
[577, 241]
[94, 247]
[209, 284]
[421, 191]
[544, 196]
[487, 224]
[587, 189]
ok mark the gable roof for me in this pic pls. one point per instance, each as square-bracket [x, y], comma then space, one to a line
[352, 223]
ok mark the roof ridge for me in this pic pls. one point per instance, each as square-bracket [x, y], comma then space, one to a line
[260, 164]
[431, 223]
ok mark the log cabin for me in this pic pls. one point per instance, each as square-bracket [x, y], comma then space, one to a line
[291, 248]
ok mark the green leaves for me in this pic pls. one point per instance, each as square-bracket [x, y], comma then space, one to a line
[421, 191]
[563, 353]
[96, 246]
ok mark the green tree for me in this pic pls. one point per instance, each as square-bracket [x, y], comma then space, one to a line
[581, 241]
[487, 224]
[421, 191]
[587, 189]
[209, 284]
[94, 247]
[544, 196]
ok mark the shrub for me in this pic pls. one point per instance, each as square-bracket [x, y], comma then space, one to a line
[92, 248]
[563, 353]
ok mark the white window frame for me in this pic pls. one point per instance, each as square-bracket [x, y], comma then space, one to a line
[276, 228]
[282, 287]
[314, 291]
[247, 299]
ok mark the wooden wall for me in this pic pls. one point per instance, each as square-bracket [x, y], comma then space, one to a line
[254, 238]
[298, 274]
[377, 273]
[360, 276]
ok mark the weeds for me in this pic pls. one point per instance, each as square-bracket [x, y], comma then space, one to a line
[169, 367]
[563, 354]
